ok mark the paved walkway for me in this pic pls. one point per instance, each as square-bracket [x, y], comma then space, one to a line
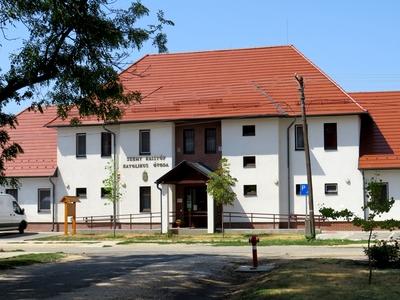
[359, 235]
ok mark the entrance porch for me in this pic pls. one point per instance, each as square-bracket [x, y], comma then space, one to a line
[185, 188]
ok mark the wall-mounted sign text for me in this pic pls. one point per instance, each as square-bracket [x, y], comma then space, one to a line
[157, 161]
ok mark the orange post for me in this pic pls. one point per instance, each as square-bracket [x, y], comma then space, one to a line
[70, 211]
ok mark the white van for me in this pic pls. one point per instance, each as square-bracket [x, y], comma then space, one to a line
[12, 216]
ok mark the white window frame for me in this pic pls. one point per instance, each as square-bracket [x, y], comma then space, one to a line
[141, 209]
[249, 195]
[79, 155]
[332, 192]
[41, 210]
[141, 131]
[296, 139]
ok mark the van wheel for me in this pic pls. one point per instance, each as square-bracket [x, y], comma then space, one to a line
[22, 227]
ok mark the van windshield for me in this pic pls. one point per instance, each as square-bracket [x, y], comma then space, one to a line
[17, 208]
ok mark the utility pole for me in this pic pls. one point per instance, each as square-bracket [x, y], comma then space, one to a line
[300, 82]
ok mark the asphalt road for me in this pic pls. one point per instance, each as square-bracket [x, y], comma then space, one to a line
[123, 277]
[105, 270]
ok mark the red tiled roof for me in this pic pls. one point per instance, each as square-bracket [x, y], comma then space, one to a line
[38, 142]
[222, 83]
[380, 136]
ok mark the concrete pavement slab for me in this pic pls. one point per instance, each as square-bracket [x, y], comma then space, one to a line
[358, 235]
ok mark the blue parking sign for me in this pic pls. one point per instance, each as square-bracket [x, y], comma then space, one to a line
[304, 189]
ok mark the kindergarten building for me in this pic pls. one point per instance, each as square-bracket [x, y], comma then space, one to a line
[198, 107]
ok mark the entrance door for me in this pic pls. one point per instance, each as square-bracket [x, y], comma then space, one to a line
[195, 206]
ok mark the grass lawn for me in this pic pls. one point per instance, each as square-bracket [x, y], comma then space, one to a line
[29, 259]
[214, 239]
[322, 279]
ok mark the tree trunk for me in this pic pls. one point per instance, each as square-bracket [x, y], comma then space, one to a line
[369, 258]
[222, 221]
[115, 216]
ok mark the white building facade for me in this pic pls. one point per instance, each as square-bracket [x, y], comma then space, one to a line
[166, 147]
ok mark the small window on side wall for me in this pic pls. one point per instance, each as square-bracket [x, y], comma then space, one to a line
[331, 188]
[330, 136]
[299, 138]
[249, 161]
[81, 192]
[383, 191]
[44, 200]
[249, 130]
[144, 142]
[250, 190]
[81, 145]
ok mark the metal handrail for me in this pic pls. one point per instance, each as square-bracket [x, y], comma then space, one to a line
[229, 217]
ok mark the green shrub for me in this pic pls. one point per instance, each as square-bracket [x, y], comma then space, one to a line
[384, 253]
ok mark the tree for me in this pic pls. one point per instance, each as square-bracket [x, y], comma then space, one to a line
[220, 187]
[113, 188]
[377, 204]
[74, 50]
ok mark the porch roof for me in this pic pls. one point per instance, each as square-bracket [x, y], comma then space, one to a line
[186, 172]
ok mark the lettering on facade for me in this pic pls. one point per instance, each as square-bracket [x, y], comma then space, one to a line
[140, 162]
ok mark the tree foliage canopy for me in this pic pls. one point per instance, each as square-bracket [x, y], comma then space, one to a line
[220, 184]
[74, 50]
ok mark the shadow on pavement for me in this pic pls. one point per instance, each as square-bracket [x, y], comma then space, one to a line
[150, 276]
[13, 235]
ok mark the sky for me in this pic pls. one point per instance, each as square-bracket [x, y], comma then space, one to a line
[357, 42]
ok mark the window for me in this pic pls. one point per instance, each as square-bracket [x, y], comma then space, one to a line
[44, 200]
[145, 199]
[144, 142]
[13, 192]
[299, 138]
[210, 140]
[81, 145]
[298, 188]
[250, 190]
[331, 189]
[188, 141]
[106, 144]
[383, 191]
[330, 136]
[104, 193]
[249, 130]
[81, 192]
[249, 161]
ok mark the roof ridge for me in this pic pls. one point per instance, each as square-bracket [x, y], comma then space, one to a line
[375, 92]
[221, 50]
[328, 77]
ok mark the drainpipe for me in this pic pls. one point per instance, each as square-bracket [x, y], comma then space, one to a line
[114, 137]
[54, 203]
[160, 189]
[288, 167]
[364, 196]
